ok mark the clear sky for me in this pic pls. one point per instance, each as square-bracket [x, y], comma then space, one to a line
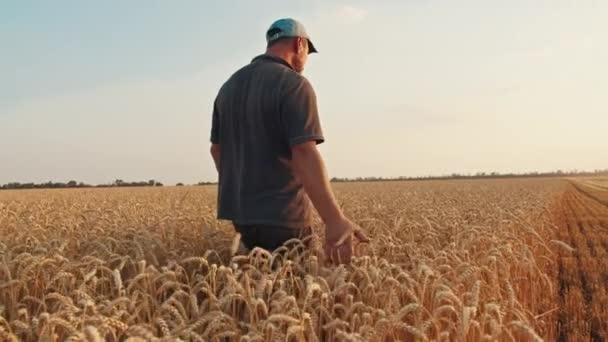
[96, 91]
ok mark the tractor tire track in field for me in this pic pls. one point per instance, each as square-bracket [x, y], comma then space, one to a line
[582, 218]
[597, 193]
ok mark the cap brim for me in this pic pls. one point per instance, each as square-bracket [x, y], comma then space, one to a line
[311, 47]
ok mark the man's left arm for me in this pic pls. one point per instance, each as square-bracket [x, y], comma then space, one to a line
[215, 137]
[215, 153]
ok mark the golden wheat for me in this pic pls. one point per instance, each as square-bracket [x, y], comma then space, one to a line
[461, 260]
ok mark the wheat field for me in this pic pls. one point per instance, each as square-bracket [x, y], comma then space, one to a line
[471, 260]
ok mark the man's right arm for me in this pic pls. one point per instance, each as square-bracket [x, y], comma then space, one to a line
[310, 169]
[302, 130]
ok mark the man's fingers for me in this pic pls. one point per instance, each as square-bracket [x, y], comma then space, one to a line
[360, 235]
[343, 239]
[343, 254]
[339, 254]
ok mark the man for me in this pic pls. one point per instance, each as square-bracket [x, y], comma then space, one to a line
[265, 129]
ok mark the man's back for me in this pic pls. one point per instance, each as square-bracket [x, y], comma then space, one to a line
[263, 110]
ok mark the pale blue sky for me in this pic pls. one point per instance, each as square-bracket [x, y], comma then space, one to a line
[96, 91]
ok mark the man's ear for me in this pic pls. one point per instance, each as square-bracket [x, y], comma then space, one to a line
[298, 44]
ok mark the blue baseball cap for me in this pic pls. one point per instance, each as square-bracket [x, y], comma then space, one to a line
[288, 27]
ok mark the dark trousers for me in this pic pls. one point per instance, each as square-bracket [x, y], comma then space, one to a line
[269, 237]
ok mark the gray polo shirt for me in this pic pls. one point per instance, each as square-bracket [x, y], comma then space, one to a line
[263, 110]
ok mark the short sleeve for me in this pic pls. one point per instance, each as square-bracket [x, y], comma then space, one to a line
[215, 125]
[299, 113]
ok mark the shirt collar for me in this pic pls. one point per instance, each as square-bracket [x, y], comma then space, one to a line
[272, 59]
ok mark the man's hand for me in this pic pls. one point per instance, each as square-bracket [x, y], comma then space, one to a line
[339, 237]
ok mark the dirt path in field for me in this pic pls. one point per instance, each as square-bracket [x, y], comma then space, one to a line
[582, 218]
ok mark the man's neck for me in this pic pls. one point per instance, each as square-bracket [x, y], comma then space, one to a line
[278, 54]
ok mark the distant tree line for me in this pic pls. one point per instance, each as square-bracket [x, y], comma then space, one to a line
[152, 182]
[206, 183]
[478, 175]
[75, 184]
[121, 183]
